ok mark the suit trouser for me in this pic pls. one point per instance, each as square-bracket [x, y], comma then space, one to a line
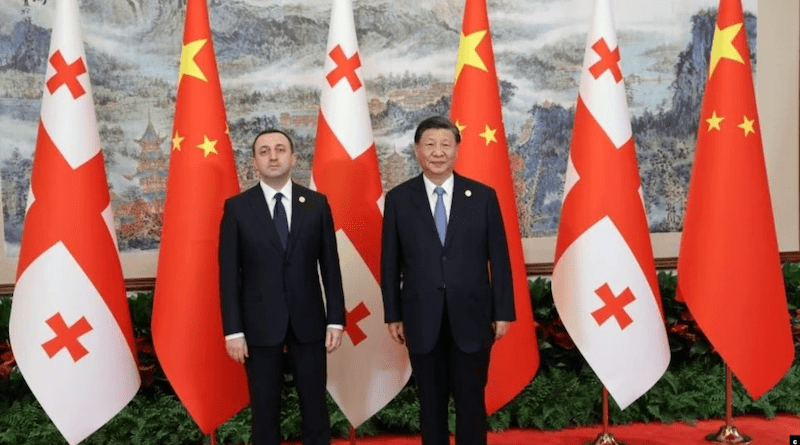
[446, 368]
[265, 380]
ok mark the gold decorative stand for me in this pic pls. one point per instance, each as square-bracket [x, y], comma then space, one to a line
[728, 433]
[605, 437]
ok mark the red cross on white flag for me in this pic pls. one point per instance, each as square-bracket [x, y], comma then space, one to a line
[369, 369]
[70, 327]
[604, 278]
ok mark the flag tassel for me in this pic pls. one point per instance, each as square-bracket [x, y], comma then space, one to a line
[728, 433]
[605, 437]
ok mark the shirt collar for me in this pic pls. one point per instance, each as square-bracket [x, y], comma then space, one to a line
[270, 192]
[447, 185]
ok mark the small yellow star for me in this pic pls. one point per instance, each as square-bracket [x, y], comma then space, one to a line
[208, 146]
[176, 141]
[713, 121]
[226, 128]
[468, 52]
[188, 65]
[722, 47]
[461, 128]
[488, 134]
[747, 126]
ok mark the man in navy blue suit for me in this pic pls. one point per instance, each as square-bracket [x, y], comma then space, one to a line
[446, 283]
[273, 237]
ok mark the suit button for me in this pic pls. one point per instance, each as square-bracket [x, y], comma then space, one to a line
[444, 257]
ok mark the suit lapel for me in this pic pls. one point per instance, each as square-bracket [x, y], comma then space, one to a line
[259, 205]
[422, 205]
[456, 209]
[299, 211]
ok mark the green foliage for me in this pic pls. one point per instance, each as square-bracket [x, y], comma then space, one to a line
[564, 393]
[668, 284]
[791, 279]
[141, 307]
[5, 313]
[554, 399]
[542, 300]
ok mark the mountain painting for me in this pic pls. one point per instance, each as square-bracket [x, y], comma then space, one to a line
[270, 55]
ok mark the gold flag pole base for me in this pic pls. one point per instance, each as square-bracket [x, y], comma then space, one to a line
[605, 438]
[728, 433]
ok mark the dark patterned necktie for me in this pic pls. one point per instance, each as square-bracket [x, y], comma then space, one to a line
[281, 223]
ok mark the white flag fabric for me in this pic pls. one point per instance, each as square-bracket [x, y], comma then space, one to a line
[604, 280]
[369, 369]
[70, 327]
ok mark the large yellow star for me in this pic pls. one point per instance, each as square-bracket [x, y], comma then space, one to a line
[747, 126]
[723, 48]
[461, 127]
[468, 52]
[488, 134]
[208, 146]
[176, 141]
[713, 121]
[188, 65]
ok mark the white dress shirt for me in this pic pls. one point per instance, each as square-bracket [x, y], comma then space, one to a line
[447, 196]
[269, 195]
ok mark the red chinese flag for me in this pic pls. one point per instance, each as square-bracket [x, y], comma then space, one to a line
[729, 270]
[483, 156]
[187, 325]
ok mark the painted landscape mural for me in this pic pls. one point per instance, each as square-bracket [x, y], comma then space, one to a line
[270, 55]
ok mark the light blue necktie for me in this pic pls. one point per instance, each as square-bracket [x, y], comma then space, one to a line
[440, 215]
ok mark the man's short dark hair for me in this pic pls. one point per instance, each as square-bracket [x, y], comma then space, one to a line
[435, 123]
[270, 131]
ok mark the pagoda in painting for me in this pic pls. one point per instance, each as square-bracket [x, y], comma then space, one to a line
[139, 217]
[152, 168]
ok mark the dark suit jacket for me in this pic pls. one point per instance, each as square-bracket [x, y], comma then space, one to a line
[418, 273]
[262, 287]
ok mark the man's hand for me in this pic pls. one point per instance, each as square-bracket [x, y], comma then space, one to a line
[237, 349]
[397, 332]
[500, 328]
[333, 339]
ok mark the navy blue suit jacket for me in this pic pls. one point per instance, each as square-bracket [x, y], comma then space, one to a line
[261, 287]
[471, 271]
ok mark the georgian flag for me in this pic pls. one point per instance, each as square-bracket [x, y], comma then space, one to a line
[604, 279]
[70, 328]
[369, 369]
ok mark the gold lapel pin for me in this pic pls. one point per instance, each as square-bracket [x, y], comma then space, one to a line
[468, 193]
[302, 199]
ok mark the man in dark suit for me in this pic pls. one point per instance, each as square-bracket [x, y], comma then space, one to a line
[446, 283]
[272, 238]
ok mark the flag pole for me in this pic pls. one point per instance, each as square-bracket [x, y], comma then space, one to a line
[352, 435]
[728, 433]
[605, 437]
